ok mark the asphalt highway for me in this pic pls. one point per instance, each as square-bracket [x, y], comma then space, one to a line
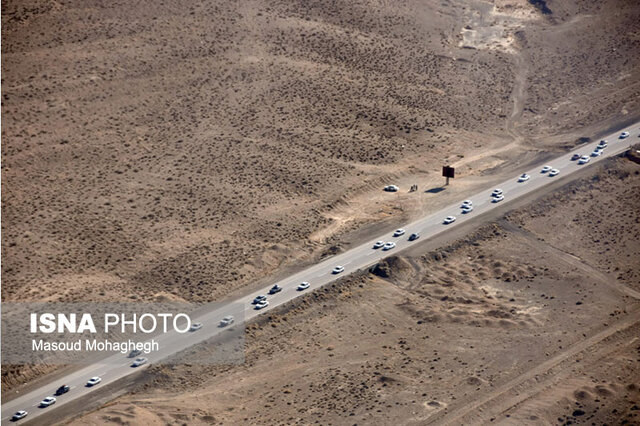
[118, 365]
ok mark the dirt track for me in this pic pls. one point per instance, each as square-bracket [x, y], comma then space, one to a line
[530, 384]
[184, 150]
[139, 157]
[467, 333]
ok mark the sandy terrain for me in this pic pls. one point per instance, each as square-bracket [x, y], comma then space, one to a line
[184, 149]
[508, 325]
[141, 157]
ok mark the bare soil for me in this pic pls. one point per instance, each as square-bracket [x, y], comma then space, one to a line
[183, 149]
[505, 325]
[186, 149]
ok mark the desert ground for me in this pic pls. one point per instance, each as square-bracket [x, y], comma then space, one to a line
[181, 149]
[509, 325]
[185, 150]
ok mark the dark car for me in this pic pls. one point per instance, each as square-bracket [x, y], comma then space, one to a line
[275, 289]
[62, 389]
[259, 299]
[575, 157]
[134, 353]
[414, 236]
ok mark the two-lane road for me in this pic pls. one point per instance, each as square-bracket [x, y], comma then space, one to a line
[118, 366]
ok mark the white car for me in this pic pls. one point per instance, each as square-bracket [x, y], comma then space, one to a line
[467, 209]
[391, 188]
[139, 361]
[338, 269]
[228, 320]
[50, 400]
[584, 159]
[466, 203]
[497, 198]
[449, 219]
[389, 246]
[262, 304]
[554, 172]
[19, 415]
[524, 177]
[496, 192]
[378, 244]
[94, 381]
[398, 232]
[196, 326]
[603, 144]
[596, 153]
[546, 169]
[624, 135]
[303, 286]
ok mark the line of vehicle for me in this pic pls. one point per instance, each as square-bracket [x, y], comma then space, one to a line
[359, 257]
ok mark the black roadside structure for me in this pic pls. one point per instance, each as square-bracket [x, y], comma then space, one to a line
[448, 172]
